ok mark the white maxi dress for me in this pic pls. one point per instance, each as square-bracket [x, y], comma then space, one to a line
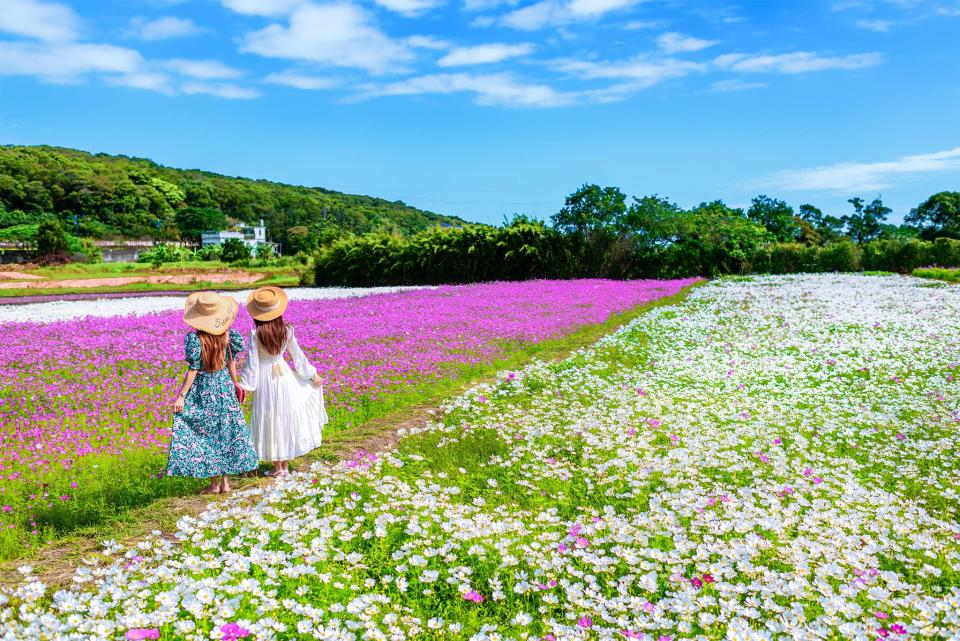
[288, 410]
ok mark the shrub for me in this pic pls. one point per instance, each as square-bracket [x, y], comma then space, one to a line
[51, 239]
[896, 255]
[234, 250]
[842, 256]
[945, 252]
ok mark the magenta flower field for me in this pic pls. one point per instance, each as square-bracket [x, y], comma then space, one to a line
[87, 398]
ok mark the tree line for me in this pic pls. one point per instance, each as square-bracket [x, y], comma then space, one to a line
[598, 233]
[106, 196]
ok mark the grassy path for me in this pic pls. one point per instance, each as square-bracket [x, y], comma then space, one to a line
[373, 427]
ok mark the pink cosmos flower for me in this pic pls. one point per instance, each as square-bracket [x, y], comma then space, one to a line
[901, 436]
[511, 376]
[631, 432]
[549, 637]
[817, 480]
[883, 632]
[142, 633]
[898, 629]
[881, 615]
[585, 622]
[582, 542]
[696, 582]
[654, 422]
[575, 530]
[777, 441]
[562, 547]
[482, 399]
[473, 596]
[665, 637]
[807, 471]
[708, 578]
[641, 392]
[232, 632]
[551, 460]
[649, 607]
[7, 508]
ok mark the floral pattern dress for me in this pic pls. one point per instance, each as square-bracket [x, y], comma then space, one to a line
[210, 436]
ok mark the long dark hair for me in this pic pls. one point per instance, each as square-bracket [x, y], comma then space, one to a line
[212, 349]
[272, 334]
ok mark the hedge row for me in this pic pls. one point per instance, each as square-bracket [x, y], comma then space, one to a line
[525, 250]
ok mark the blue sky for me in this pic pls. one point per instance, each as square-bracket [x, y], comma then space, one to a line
[483, 108]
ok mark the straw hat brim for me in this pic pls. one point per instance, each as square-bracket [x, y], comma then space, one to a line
[276, 310]
[215, 323]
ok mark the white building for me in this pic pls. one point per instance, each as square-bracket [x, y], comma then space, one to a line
[252, 237]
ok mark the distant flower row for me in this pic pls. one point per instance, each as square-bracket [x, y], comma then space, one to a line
[770, 460]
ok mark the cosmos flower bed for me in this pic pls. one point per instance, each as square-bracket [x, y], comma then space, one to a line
[773, 459]
[83, 400]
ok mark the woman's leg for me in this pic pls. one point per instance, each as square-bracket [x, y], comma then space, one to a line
[214, 486]
[224, 484]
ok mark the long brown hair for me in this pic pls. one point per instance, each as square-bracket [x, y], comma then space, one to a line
[272, 334]
[212, 349]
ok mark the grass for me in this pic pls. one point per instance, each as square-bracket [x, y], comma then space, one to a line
[939, 273]
[278, 275]
[142, 503]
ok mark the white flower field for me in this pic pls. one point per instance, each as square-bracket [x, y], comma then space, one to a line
[772, 458]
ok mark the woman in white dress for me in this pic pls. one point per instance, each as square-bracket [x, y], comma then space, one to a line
[288, 411]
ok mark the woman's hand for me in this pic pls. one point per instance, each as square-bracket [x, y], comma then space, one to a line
[178, 404]
[317, 380]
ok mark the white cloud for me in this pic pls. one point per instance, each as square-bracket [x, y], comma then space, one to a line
[202, 69]
[298, 80]
[41, 20]
[673, 42]
[798, 62]
[880, 26]
[262, 7]
[163, 28]
[229, 91]
[852, 177]
[560, 12]
[642, 72]
[66, 62]
[409, 8]
[490, 89]
[338, 34]
[149, 80]
[484, 54]
[486, 5]
[636, 25]
[428, 42]
[735, 85]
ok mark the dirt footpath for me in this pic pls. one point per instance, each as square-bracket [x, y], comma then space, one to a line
[19, 276]
[174, 279]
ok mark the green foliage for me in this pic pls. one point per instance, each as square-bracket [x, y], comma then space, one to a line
[265, 252]
[193, 221]
[866, 222]
[777, 216]
[134, 197]
[51, 239]
[234, 250]
[591, 209]
[167, 253]
[939, 273]
[896, 255]
[938, 215]
[20, 233]
[520, 250]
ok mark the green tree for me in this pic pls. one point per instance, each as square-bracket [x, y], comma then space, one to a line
[234, 250]
[591, 209]
[264, 252]
[938, 215]
[51, 239]
[776, 216]
[193, 221]
[866, 222]
[300, 240]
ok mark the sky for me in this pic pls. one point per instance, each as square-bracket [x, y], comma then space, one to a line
[486, 108]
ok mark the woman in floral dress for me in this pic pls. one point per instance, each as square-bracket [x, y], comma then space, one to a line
[210, 436]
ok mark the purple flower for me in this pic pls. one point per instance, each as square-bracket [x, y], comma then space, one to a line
[232, 632]
[142, 633]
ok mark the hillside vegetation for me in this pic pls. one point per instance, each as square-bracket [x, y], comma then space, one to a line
[122, 197]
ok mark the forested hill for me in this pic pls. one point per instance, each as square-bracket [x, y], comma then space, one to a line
[118, 196]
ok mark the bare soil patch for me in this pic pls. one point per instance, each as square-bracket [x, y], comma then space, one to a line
[4, 275]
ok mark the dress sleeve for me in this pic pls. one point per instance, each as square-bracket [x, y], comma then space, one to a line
[249, 377]
[191, 345]
[300, 363]
[236, 344]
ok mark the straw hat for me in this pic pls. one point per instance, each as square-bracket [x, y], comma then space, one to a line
[267, 303]
[209, 312]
